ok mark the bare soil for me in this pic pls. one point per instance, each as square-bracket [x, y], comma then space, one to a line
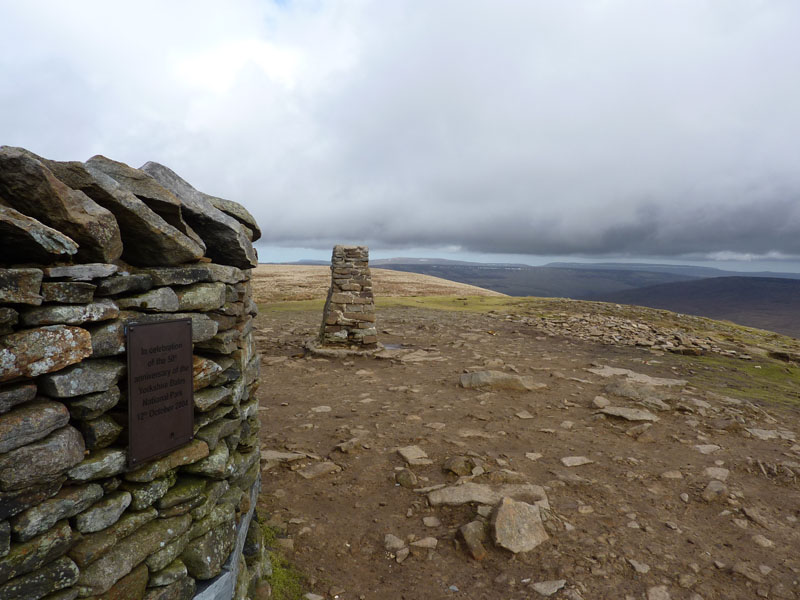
[618, 526]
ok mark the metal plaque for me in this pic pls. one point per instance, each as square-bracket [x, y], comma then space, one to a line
[160, 396]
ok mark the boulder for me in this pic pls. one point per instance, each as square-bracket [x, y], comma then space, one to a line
[201, 296]
[41, 461]
[101, 464]
[225, 239]
[240, 213]
[24, 239]
[148, 239]
[100, 432]
[103, 513]
[20, 286]
[14, 502]
[68, 292]
[91, 406]
[94, 545]
[29, 186]
[143, 186]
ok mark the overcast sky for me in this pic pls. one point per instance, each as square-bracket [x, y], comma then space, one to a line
[606, 129]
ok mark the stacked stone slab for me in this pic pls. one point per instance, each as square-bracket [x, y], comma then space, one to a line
[86, 248]
[349, 316]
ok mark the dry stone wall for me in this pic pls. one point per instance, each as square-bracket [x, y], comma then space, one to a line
[349, 316]
[85, 249]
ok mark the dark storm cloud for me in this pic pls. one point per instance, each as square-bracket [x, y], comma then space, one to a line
[659, 128]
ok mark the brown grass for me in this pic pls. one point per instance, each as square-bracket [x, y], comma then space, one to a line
[279, 283]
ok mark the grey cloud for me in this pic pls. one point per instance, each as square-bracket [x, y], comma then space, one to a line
[664, 128]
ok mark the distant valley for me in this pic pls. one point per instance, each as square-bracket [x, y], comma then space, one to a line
[765, 300]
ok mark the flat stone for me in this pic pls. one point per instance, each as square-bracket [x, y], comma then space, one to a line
[33, 352]
[414, 455]
[84, 272]
[174, 571]
[16, 501]
[718, 473]
[103, 513]
[548, 588]
[473, 534]
[226, 273]
[130, 587]
[100, 464]
[68, 292]
[57, 575]
[30, 422]
[658, 592]
[20, 286]
[90, 376]
[69, 314]
[180, 590]
[201, 296]
[94, 545]
[601, 402]
[707, 448]
[156, 300]
[42, 460]
[68, 502]
[212, 494]
[108, 338]
[392, 543]
[148, 239]
[185, 275]
[185, 489]
[225, 239]
[499, 380]
[100, 432]
[319, 469]
[203, 327]
[629, 414]
[91, 406]
[456, 495]
[224, 342]
[144, 495]
[224, 512]
[14, 394]
[168, 554]
[206, 554]
[27, 185]
[185, 455]
[213, 433]
[120, 560]
[606, 371]
[215, 465]
[517, 526]
[24, 239]
[204, 371]
[123, 283]
[205, 400]
[27, 556]
[575, 461]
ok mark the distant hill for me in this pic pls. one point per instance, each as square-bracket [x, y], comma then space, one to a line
[524, 280]
[765, 302]
[688, 270]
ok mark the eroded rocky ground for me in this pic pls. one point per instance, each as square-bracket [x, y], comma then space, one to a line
[697, 497]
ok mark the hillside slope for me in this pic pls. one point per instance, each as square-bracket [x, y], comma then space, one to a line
[277, 283]
[763, 302]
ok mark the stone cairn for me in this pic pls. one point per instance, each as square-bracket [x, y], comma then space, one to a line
[348, 319]
[86, 248]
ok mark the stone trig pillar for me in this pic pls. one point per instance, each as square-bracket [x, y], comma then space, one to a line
[349, 316]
